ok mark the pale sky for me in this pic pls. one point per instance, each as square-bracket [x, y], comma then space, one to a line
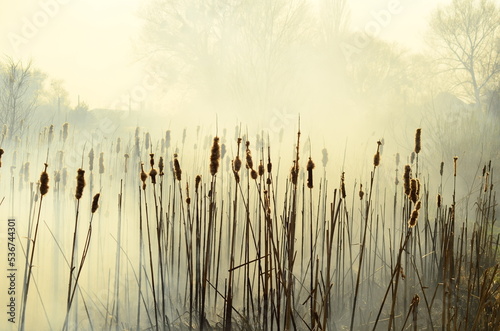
[89, 43]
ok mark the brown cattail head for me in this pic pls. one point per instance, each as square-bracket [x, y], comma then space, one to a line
[101, 163]
[455, 158]
[177, 168]
[95, 202]
[152, 174]
[407, 177]
[376, 157]
[253, 174]
[126, 161]
[417, 141]
[161, 165]
[309, 168]
[151, 160]
[44, 181]
[418, 205]
[486, 182]
[214, 156]
[197, 182]
[144, 176]
[249, 156]
[342, 185]
[294, 173]
[413, 219]
[269, 164]
[1, 153]
[414, 190]
[91, 159]
[261, 168]
[237, 164]
[188, 198]
[441, 169]
[361, 193]
[80, 183]
[439, 200]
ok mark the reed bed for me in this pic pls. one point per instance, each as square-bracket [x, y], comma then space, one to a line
[223, 238]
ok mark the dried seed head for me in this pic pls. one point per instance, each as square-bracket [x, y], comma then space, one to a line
[407, 177]
[151, 160]
[269, 164]
[118, 145]
[126, 162]
[486, 182]
[197, 182]
[441, 170]
[101, 163]
[177, 168]
[342, 185]
[95, 202]
[237, 163]
[80, 183]
[412, 157]
[161, 166]
[253, 174]
[439, 200]
[361, 193]
[214, 156]
[413, 219]
[1, 153]
[376, 157]
[309, 168]
[455, 158]
[188, 199]
[417, 141]
[268, 181]
[44, 181]
[144, 176]
[414, 190]
[249, 157]
[222, 151]
[294, 173]
[91, 159]
[418, 205]
[152, 174]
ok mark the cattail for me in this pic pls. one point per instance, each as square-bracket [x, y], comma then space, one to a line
[65, 131]
[268, 181]
[294, 173]
[126, 161]
[407, 177]
[44, 181]
[57, 176]
[26, 171]
[486, 182]
[269, 164]
[439, 200]
[414, 190]
[197, 182]
[342, 185]
[91, 159]
[118, 145]
[137, 147]
[167, 139]
[214, 156]
[249, 156]
[188, 199]
[413, 219]
[309, 168]
[261, 168]
[412, 157]
[51, 133]
[418, 205]
[151, 160]
[222, 151]
[417, 141]
[177, 168]
[237, 163]
[153, 174]
[441, 170]
[95, 202]
[161, 165]
[361, 193]
[455, 158]
[324, 160]
[144, 176]
[80, 183]
[1, 153]
[253, 174]
[101, 163]
[147, 140]
[376, 157]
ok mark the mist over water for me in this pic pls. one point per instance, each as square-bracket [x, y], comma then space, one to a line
[329, 81]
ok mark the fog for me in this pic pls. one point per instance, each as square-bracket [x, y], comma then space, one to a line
[108, 86]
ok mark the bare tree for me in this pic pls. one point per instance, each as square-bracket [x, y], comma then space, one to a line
[18, 95]
[466, 36]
